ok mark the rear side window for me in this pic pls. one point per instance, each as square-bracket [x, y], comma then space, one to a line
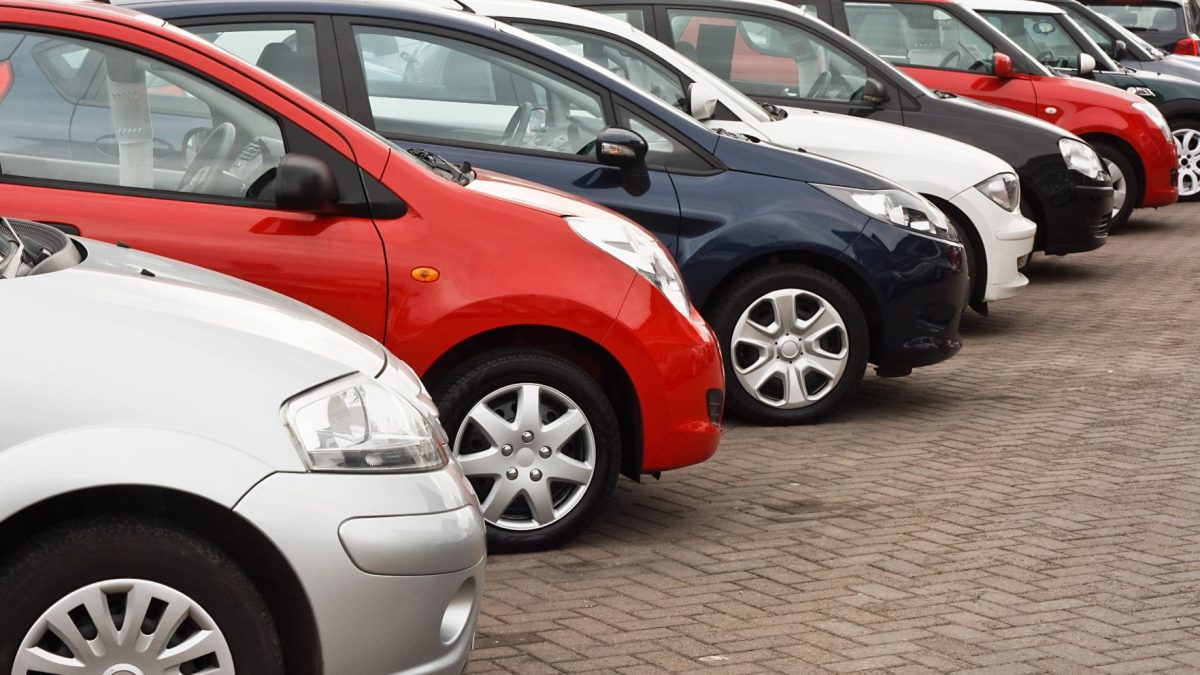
[1146, 17]
[286, 50]
[911, 34]
[633, 17]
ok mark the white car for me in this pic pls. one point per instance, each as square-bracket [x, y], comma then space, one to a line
[977, 190]
[198, 475]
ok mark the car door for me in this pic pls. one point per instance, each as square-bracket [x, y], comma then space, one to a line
[776, 61]
[166, 160]
[937, 48]
[499, 109]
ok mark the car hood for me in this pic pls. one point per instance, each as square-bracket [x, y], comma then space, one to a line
[1010, 115]
[534, 195]
[1166, 87]
[767, 159]
[886, 149]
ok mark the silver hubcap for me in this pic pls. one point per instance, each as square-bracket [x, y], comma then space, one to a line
[529, 452]
[1187, 145]
[124, 627]
[1119, 186]
[790, 348]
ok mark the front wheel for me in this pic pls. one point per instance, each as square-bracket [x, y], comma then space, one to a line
[1126, 188]
[539, 441]
[795, 344]
[126, 595]
[1187, 145]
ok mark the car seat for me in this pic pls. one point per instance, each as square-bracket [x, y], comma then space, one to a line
[284, 62]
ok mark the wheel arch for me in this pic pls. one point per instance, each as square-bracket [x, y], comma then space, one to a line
[583, 352]
[979, 284]
[1126, 149]
[266, 566]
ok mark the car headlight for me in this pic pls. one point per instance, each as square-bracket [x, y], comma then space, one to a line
[1080, 157]
[639, 250]
[1004, 189]
[357, 424]
[1157, 117]
[898, 207]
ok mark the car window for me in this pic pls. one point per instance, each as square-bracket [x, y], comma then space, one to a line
[764, 57]
[617, 57]
[1093, 31]
[633, 17]
[1144, 17]
[102, 115]
[286, 50]
[911, 34]
[663, 149]
[1039, 35]
[446, 89]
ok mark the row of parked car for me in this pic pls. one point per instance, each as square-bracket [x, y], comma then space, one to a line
[542, 210]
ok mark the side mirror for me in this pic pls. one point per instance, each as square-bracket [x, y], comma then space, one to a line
[1120, 50]
[702, 101]
[874, 92]
[305, 183]
[622, 149]
[1002, 65]
[1087, 65]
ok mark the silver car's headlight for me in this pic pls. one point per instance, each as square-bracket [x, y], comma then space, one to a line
[1080, 157]
[639, 250]
[1004, 189]
[898, 207]
[357, 424]
[1155, 116]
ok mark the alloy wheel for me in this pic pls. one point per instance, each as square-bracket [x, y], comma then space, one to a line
[1120, 185]
[530, 454]
[125, 627]
[1187, 146]
[790, 348]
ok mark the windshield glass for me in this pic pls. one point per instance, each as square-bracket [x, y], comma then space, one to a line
[1146, 17]
[1135, 40]
[1045, 37]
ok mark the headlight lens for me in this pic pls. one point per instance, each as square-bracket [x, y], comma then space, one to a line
[640, 251]
[1157, 117]
[357, 424]
[898, 207]
[1004, 189]
[1080, 157]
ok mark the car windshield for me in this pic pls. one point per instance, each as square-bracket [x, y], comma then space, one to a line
[1135, 39]
[1045, 37]
[1146, 17]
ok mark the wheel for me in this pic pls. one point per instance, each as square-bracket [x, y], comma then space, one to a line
[538, 439]
[128, 596]
[794, 341]
[1126, 188]
[1187, 144]
[973, 298]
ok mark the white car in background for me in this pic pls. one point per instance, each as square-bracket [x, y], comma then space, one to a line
[977, 190]
[198, 475]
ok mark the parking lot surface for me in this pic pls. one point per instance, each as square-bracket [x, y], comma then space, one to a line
[1032, 505]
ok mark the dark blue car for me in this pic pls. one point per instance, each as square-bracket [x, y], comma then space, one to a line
[807, 268]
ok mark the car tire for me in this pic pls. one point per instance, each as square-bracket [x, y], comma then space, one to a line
[753, 354]
[539, 485]
[81, 571]
[1186, 131]
[1121, 169]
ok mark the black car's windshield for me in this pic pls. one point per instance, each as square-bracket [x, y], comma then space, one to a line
[1146, 17]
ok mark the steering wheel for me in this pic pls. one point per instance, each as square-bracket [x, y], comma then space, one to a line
[953, 57]
[204, 169]
[1047, 57]
[819, 86]
[518, 124]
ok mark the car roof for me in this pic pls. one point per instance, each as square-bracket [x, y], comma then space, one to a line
[1022, 6]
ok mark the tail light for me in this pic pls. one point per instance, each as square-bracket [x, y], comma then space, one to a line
[1188, 46]
[5, 77]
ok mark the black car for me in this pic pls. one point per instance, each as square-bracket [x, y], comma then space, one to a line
[1071, 208]
[1166, 24]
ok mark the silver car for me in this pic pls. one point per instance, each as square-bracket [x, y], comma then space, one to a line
[201, 476]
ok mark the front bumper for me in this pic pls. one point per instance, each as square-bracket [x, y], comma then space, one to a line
[1160, 164]
[392, 565]
[920, 290]
[674, 365]
[1075, 210]
[1007, 237]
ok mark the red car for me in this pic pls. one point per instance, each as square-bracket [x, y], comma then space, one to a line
[950, 48]
[556, 336]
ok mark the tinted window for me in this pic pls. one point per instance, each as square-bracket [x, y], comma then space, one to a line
[1042, 36]
[919, 35]
[286, 50]
[617, 57]
[1093, 31]
[633, 17]
[763, 57]
[104, 115]
[1144, 17]
[446, 89]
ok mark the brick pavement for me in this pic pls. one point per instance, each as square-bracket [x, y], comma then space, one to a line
[1029, 506]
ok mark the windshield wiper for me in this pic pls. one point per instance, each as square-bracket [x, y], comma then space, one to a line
[462, 174]
[12, 262]
[775, 112]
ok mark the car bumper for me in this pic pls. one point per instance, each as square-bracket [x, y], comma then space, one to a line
[920, 292]
[392, 565]
[1007, 237]
[1075, 209]
[674, 365]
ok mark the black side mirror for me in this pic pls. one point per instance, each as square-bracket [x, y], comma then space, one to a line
[625, 150]
[305, 183]
[874, 92]
[1120, 50]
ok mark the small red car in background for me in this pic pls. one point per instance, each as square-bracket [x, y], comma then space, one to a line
[948, 47]
[556, 336]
